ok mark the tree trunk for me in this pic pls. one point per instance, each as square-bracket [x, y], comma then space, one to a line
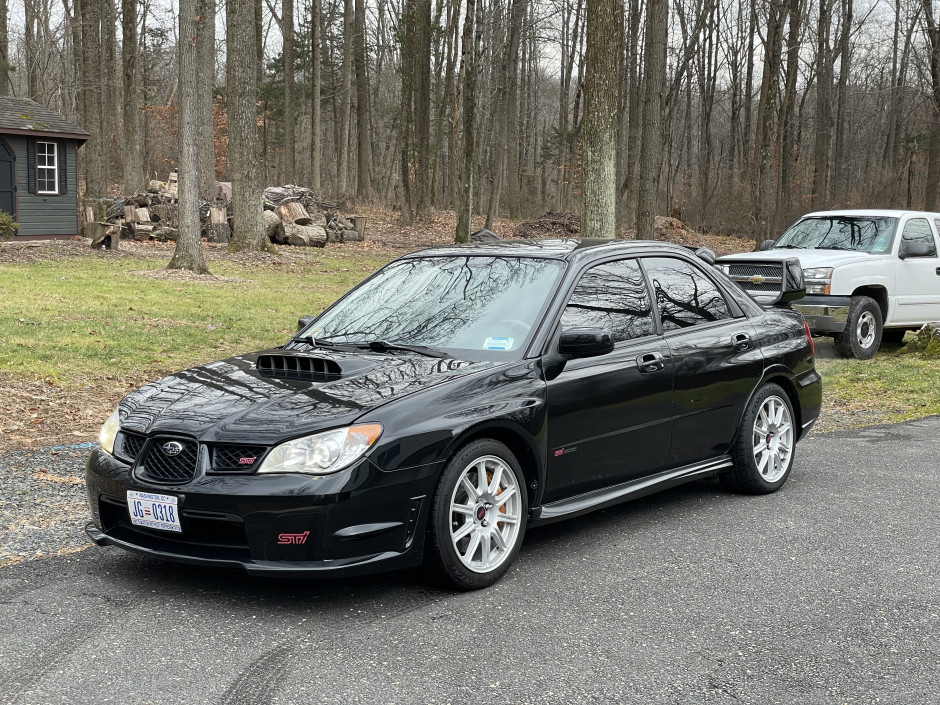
[767, 114]
[342, 146]
[601, 108]
[421, 47]
[651, 145]
[188, 253]
[407, 99]
[133, 166]
[933, 153]
[4, 48]
[316, 47]
[109, 94]
[287, 32]
[241, 76]
[91, 100]
[824, 59]
[205, 68]
[468, 50]
[516, 18]
[30, 51]
[363, 112]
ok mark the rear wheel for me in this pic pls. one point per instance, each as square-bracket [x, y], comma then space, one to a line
[863, 329]
[766, 440]
[478, 516]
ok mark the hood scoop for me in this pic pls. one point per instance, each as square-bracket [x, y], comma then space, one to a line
[312, 369]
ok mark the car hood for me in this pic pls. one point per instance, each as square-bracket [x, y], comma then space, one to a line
[273, 395]
[808, 258]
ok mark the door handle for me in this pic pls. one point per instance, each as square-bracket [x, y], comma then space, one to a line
[650, 362]
[741, 341]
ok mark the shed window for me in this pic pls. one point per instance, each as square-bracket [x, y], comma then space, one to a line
[47, 167]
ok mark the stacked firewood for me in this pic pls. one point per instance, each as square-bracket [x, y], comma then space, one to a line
[293, 215]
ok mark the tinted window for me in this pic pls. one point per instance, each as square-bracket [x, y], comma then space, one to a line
[918, 230]
[684, 295]
[612, 296]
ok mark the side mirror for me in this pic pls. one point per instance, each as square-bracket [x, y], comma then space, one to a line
[303, 322]
[792, 288]
[585, 342]
[767, 245]
[913, 248]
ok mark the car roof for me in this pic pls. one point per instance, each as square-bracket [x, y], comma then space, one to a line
[562, 248]
[871, 212]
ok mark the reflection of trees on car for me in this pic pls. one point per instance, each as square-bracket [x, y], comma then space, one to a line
[457, 302]
[612, 296]
[684, 296]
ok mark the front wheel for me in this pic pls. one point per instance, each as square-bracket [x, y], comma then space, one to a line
[478, 516]
[863, 329]
[766, 440]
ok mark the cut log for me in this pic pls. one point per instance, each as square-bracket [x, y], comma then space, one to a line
[142, 215]
[163, 234]
[272, 225]
[130, 213]
[217, 229]
[359, 225]
[156, 186]
[165, 214]
[301, 235]
[352, 236]
[294, 212]
[143, 231]
[89, 214]
[217, 215]
[141, 199]
[100, 234]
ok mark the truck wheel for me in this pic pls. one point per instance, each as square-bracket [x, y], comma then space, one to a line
[862, 334]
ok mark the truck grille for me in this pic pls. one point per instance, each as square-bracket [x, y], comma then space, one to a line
[757, 278]
[161, 465]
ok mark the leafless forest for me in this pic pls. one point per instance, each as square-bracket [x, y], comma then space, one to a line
[735, 115]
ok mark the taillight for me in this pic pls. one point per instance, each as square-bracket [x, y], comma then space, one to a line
[809, 337]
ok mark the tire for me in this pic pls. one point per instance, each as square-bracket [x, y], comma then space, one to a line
[473, 539]
[895, 336]
[765, 443]
[863, 330]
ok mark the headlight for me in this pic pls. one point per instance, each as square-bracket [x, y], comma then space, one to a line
[109, 431]
[322, 453]
[818, 280]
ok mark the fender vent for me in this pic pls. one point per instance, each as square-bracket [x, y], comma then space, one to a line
[315, 369]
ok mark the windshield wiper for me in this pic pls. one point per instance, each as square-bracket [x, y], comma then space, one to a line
[385, 346]
[324, 343]
[837, 247]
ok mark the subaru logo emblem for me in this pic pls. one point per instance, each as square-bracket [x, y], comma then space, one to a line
[172, 448]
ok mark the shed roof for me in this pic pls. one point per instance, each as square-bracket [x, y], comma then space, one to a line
[26, 117]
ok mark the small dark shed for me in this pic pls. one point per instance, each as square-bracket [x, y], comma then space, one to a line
[37, 169]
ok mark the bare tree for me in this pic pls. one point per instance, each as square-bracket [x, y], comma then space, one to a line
[342, 146]
[316, 47]
[287, 31]
[241, 76]
[188, 253]
[205, 67]
[363, 111]
[651, 142]
[4, 48]
[599, 131]
[469, 44]
[133, 166]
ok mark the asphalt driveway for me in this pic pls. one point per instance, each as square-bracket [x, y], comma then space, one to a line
[827, 592]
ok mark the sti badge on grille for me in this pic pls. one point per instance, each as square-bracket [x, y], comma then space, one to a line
[172, 448]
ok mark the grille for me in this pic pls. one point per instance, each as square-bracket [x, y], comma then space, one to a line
[159, 467]
[315, 369]
[129, 445]
[750, 270]
[236, 458]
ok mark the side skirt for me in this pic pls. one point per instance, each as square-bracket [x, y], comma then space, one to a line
[634, 489]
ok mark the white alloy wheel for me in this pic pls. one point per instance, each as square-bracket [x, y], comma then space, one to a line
[485, 514]
[773, 439]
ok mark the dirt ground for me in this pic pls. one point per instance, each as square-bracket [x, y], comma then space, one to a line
[37, 414]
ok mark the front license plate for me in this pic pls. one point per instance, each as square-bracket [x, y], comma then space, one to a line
[155, 511]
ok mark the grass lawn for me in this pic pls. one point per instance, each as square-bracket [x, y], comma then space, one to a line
[69, 321]
[79, 332]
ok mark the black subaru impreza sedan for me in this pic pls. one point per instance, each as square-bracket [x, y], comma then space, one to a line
[454, 399]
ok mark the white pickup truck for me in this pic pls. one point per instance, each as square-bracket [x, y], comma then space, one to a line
[870, 275]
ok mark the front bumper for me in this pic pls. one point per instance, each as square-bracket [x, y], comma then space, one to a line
[360, 520]
[825, 314]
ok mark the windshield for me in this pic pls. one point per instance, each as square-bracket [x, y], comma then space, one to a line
[475, 307]
[861, 234]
